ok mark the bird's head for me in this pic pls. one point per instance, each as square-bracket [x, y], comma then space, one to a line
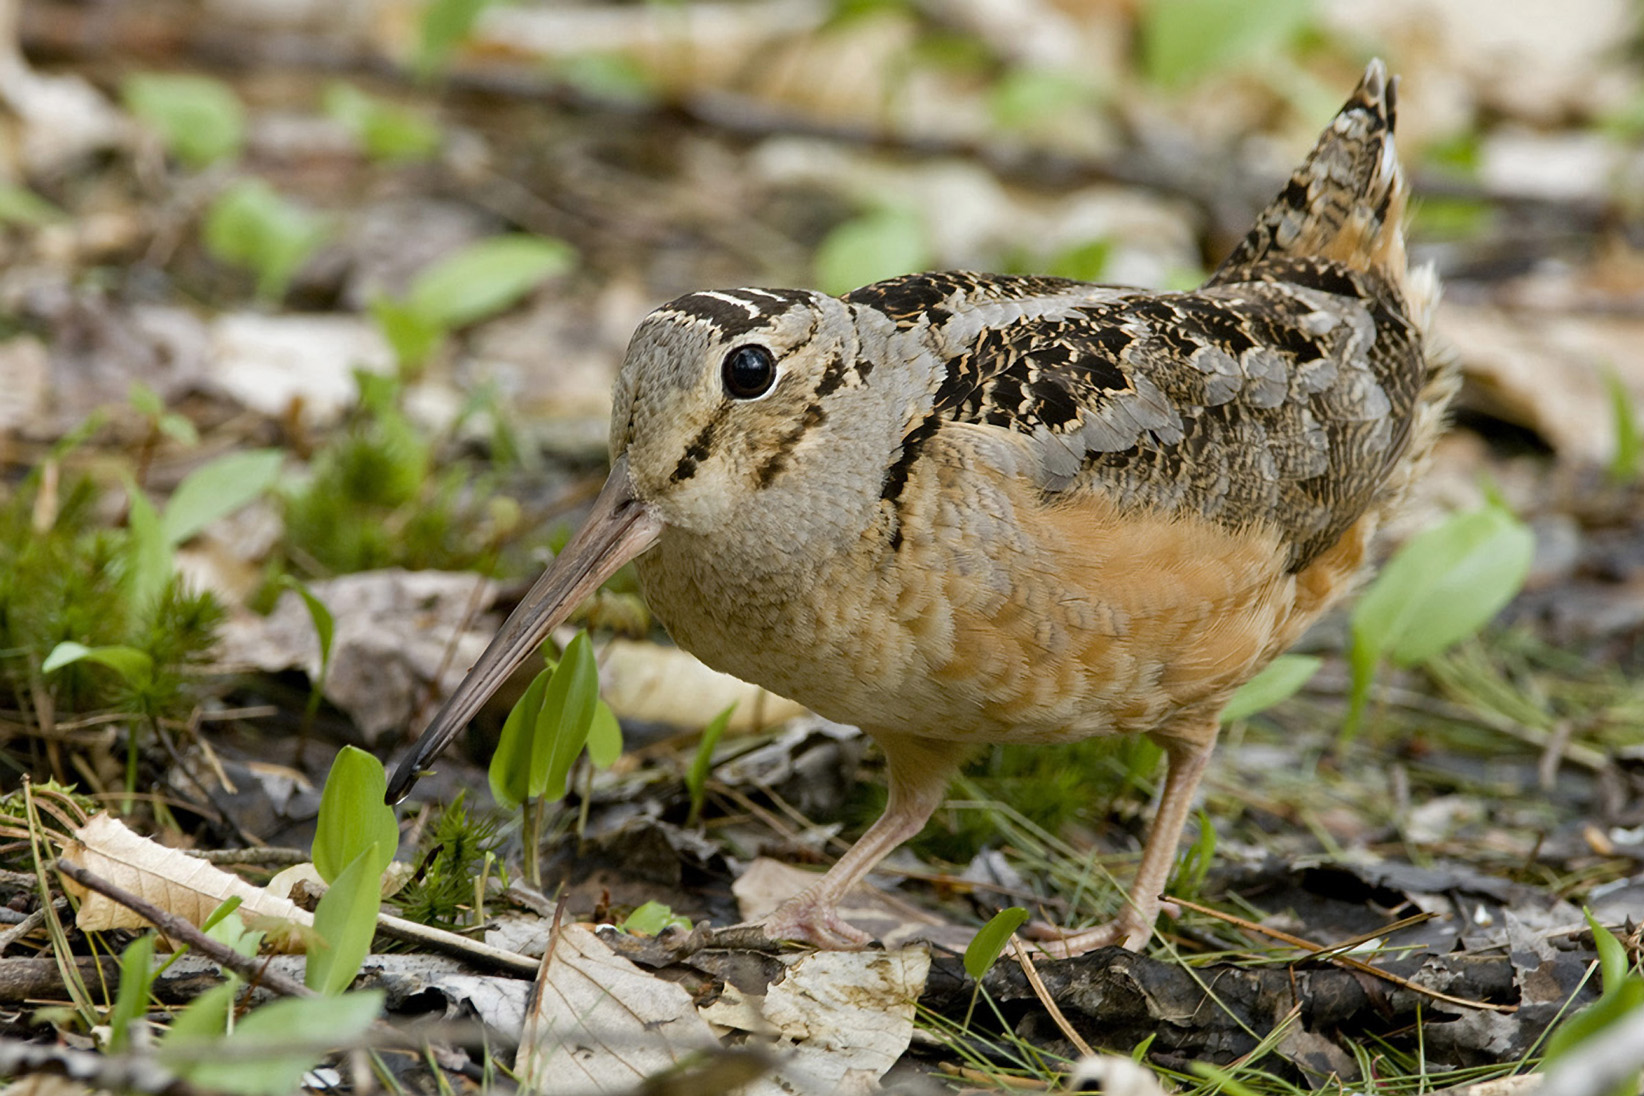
[729, 405]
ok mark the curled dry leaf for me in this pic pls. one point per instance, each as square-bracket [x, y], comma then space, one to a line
[172, 880]
[656, 684]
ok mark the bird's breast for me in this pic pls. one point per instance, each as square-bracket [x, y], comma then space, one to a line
[997, 614]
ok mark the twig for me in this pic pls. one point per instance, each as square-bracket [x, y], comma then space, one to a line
[28, 924]
[1025, 961]
[1324, 952]
[182, 931]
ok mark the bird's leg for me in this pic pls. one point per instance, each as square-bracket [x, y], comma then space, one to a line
[1185, 759]
[918, 770]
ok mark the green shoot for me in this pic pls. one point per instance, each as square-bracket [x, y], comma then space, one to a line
[989, 942]
[878, 244]
[542, 737]
[354, 842]
[383, 130]
[325, 630]
[21, 206]
[1029, 98]
[1441, 587]
[480, 281]
[218, 489]
[136, 979]
[253, 227]
[1195, 862]
[203, 1021]
[1621, 992]
[696, 777]
[604, 737]
[353, 817]
[346, 920]
[651, 918]
[134, 666]
[986, 946]
[1184, 41]
[1279, 680]
[146, 402]
[1627, 461]
[200, 120]
[271, 1049]
[446, 24]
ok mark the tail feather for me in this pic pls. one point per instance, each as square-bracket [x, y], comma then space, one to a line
[1345, 203]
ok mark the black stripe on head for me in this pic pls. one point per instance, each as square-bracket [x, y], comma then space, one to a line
[896, 476]
[733, 312]
[695, 453]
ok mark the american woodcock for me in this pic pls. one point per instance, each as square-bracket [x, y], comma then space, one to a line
[957, 509]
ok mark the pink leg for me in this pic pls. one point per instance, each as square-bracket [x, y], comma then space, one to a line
[1185, 761]
[918, 771]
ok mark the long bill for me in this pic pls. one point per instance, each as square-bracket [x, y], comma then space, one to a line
[619, 528]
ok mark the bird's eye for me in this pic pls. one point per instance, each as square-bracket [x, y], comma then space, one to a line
[748, 372]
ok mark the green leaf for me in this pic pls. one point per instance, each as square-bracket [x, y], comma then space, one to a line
[274, 1046]
[696, 777]
[149, 560]
[325, 625]
[879, 244]
[385, 130]
[1279, 680]
[346, 919]
[1625, 461]
[990, 940]
[217, 489]
[202, 1022]
[1610, 1007]
[1612, 955]
[200, 120]
[445, 25]
[353, 816]
[411, 335]
[510, 770]
[604, 737]
[144, 400]
[22, 206]
[136, 978]
[231, 931]
[1086, 262]
[251, 226]
[1029, 98]
[651, 918]
[134, 666]
[486, 278]
[567, 713]
[1441, 587]
[1184, 41]
[608, 76]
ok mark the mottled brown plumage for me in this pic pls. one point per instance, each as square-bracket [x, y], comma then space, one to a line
[958, 508]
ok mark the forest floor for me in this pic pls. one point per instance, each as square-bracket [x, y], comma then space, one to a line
[308, 320]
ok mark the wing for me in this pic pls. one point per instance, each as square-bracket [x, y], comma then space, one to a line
[1284, 401]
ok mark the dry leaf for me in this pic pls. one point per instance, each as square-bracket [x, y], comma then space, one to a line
[848, 1016]
[169, 878]
[599, 1024]
[656, 684]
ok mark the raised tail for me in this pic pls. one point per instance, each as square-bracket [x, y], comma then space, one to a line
[1345, 203]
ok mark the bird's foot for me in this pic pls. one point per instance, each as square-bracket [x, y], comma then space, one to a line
[809, 920]
[1131, 930]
